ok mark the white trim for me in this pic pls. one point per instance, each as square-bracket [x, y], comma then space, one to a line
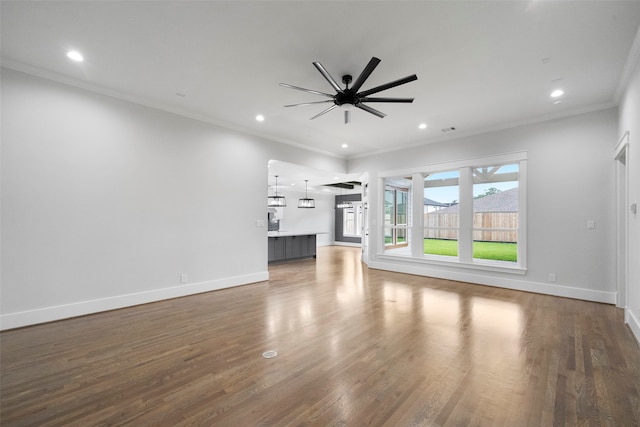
[49, 314]
[634, 324]
[627, 71]
[500, 282]
[489, 129]
[417, 215]
[465, 225]
[350, 244]
[95, 88]
[358, 214]
[478, 162]
[465, 256]
[523, 188]
[622, 220]
[445, 261]
[621, 145]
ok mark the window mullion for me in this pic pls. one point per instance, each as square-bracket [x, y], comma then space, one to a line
[465, 233]
[417, 211]
[522, 214]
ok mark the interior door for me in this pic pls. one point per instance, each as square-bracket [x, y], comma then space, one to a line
[364, 233]
[622, 221]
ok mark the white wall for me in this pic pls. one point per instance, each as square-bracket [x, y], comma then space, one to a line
[570, 181]
[105, 203]
[630, 121]
[318, 220]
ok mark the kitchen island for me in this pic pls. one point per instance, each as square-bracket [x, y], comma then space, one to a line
[286, 246]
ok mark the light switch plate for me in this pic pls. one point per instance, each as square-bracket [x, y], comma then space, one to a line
[591, 224]
[259, 222]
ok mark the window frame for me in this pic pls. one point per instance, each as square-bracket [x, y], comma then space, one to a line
[465, 233]
[426, 229]
[483, 230]
[395, 226]
[357, 220]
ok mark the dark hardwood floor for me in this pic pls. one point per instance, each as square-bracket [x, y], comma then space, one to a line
[355, 347]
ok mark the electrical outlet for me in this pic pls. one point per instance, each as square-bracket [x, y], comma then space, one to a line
[184, 278]
[552, 277]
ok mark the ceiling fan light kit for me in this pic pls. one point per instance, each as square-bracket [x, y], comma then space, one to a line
[349, 96]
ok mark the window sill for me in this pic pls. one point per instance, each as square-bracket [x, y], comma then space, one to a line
[485, 265]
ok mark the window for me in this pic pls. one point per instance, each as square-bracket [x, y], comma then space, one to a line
[352, 220]
[396, 211]
[473, 213]
[495, 213]
[441, 213]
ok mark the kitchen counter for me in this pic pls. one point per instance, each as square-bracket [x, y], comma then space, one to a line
[290, 245]
[284, 233]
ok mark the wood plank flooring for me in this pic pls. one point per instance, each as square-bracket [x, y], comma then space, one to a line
[355, 347]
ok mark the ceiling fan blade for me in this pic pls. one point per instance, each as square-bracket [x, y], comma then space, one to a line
[324, 111]
[309, 103]
[305, 90]
[366, 99]
[373, 63]
[370, 110]
[347, 116]
[327, 76]
[388, 85]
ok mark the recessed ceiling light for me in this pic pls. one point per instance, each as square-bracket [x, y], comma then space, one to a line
[260, 118]
[74, 55]
[422, 126]
[556, 93]
[344, 145]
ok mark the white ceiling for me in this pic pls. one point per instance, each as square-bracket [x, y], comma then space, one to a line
[291, 177]
[480, 65]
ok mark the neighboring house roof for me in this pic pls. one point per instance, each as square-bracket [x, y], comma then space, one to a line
[504, 201]
[429, 202]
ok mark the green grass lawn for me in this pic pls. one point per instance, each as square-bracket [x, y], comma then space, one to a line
[481, 250]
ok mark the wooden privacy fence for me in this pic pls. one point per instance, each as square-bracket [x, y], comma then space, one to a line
[488, 226]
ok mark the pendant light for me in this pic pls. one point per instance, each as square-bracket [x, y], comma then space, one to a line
[343, 204]
[276, 201]
[306, 202]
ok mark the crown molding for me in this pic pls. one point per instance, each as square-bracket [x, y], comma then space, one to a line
[494, 128]
[629, 66]
[102, 90]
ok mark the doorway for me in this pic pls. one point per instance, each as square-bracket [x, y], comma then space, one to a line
[622, 221]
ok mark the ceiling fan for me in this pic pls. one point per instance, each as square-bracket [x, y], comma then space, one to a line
[349, 96]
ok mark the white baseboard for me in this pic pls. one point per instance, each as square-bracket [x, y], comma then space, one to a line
[49, 314]
[501, 282]
[633, 322]
[350, 244]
